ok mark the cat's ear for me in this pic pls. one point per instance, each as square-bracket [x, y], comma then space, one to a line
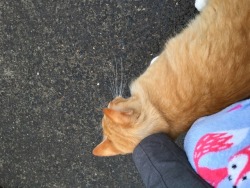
[119, 117]
[105, 148]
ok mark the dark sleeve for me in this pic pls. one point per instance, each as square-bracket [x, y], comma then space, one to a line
[161, 163]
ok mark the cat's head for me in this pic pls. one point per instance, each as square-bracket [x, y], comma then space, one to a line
[125, 123]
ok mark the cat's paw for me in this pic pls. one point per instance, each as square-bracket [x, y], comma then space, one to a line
[153, 60]
[200, 4]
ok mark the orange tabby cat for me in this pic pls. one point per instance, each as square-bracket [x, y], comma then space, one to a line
[202, 70]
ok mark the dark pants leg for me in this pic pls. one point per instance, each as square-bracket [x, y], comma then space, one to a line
[161, 163]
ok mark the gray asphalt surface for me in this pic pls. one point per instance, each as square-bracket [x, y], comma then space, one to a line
[57, 63]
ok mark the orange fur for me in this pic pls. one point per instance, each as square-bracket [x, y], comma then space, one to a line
[202, 70]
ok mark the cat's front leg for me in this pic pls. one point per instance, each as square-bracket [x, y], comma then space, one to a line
[200, 4]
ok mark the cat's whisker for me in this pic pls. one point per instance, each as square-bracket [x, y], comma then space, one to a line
[113, 81]
[112, 87]
[121, 81]
[123, 87]
[116, 80]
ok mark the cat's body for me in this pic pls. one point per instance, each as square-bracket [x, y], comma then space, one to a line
[202, 70]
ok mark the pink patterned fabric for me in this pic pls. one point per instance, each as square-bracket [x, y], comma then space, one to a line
[218, 147]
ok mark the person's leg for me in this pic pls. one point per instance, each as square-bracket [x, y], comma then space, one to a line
[161, 163]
